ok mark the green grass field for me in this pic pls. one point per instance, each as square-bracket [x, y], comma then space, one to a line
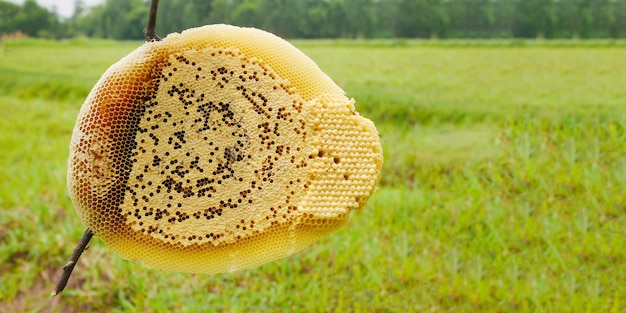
[503, 190]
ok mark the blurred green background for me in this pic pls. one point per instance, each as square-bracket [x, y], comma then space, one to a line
[503, 189]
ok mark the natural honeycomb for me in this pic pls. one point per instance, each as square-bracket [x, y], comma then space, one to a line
[218, 149]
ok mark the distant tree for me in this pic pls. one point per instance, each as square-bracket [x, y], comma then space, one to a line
[603, 19]
[534, 18]
[280, 16]
[135, 20]
[247, 13]
[360, 18]
[420, 18]
[470, 18]
[618, 27]
[196, 13]
[221, 11]
[8, 11]
[33, 20]
[173, 20]
[386, 12]
[504, 16]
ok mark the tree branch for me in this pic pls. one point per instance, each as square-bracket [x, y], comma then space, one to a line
[69, 266]
[149, 33]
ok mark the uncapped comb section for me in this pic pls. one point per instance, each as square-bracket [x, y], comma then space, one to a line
[218, 149]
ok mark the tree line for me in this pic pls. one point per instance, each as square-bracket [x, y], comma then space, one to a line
[125, 19]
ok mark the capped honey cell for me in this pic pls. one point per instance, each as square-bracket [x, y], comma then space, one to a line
[218, 149]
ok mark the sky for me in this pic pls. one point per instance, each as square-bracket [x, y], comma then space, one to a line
[65, 8]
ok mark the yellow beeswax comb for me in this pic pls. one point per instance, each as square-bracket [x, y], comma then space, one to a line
[218, 149]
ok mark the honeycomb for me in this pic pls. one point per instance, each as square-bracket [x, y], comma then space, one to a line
[218, 149]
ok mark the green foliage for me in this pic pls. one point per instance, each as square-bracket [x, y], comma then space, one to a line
[119, 19]
[503, 190]
[30, 19]
[8, 11]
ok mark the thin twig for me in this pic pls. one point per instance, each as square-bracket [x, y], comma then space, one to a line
[149, 33]
[69, 266]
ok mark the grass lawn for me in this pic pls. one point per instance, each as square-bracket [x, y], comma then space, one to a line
[503, 190]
